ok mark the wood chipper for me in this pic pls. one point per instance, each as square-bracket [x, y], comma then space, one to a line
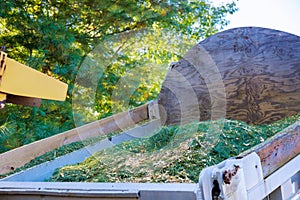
[23, 85]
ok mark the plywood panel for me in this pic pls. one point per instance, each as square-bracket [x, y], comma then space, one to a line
[249, 74]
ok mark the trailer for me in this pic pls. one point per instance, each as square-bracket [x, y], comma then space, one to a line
[251, 74]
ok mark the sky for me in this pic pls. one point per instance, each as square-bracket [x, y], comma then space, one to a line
[281, 15]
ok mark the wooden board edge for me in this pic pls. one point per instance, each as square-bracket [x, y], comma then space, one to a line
[15, 158]
[278, 150]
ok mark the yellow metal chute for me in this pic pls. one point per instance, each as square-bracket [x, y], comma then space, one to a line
[25, 85]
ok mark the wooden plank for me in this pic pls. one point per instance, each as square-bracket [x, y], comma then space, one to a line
[15, 158]
[45, 170]
[250, 74]
[278, 150]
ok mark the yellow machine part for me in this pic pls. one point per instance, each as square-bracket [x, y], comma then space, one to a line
[2, 97]
[21, 80]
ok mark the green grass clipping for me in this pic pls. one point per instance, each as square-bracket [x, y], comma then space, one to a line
[174, 154]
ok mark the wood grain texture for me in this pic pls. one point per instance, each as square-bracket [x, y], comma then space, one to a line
[279, 149]
[15, 158]
[250, 74]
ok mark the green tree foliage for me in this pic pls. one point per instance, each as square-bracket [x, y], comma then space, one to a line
[57, 38]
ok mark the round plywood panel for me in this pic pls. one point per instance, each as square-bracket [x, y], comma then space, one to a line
[250, 74]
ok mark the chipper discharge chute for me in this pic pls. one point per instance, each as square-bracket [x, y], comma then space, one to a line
[23, 85]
